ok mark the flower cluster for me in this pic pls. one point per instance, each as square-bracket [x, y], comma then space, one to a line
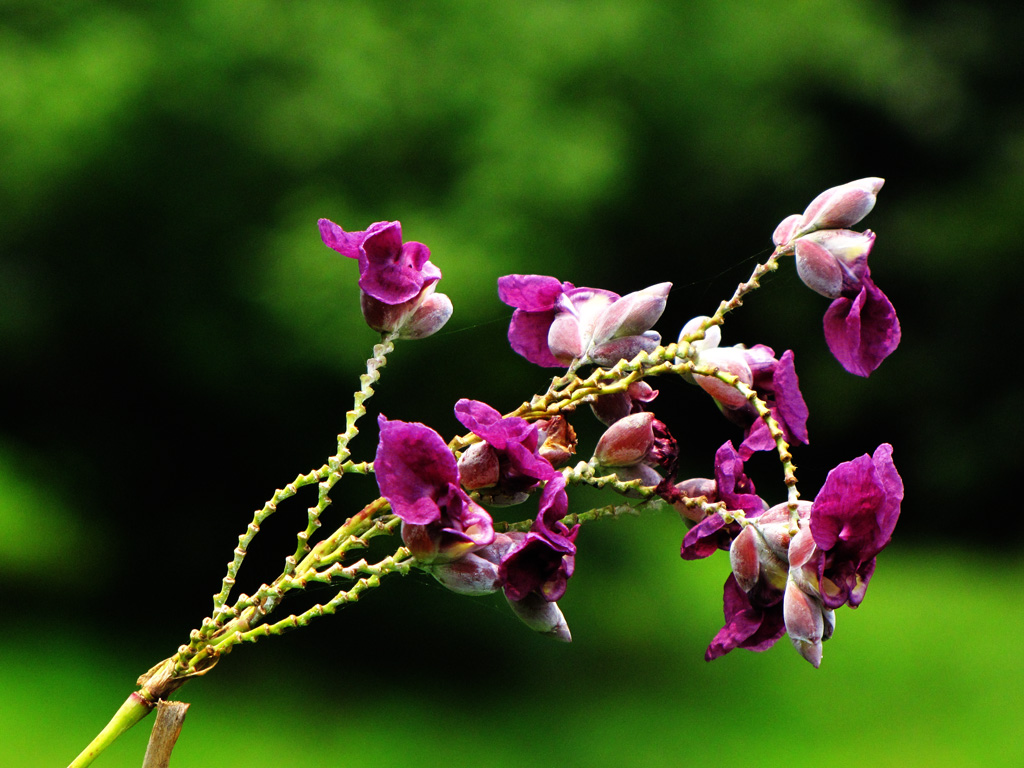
[861, 326]
[453, 537]
[396, 279]
[793, 563]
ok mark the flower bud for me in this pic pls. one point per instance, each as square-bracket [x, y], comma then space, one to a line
[479, 467]
[693, 488]
[787, 227]
[430, 317]
[729, 360]
[633, 314]
[541, 616]
[627, 441]
[712, 336]
[818, 269]
[745, 559]
[805, 623]
[419, 317]
[624, 348]
[471, 575]
[564, 339]
[841, 206]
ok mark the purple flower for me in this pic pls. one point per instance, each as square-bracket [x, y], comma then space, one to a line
[396, 279]
[852, 520]
[749, 626]
[736, 491]
[508, 460]
[544, 559]
[861, 326]
[775, 382]
[418, 476]
[556, 323]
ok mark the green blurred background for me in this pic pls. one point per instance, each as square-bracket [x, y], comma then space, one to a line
[176, 343]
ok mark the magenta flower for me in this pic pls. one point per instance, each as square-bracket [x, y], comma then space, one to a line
[861, 327]
[736, 491]
[542, 562]
[754, 627]
[396, 279]
[556, 323]
[418, 476]
[775, 382]
[852, 520]
[508, 461]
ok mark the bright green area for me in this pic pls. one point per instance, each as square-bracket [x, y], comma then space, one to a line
[175, 342]
[926, 673]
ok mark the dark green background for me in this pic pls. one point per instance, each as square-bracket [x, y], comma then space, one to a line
[176, 342]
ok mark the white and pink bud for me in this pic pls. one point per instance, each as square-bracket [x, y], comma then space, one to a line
[803, 614]
[470, 575]
[479, 467]
[541, 616]
[787, 228]
[840, 207]
[632, 315]
[421, 316]
[626, 442]
[732, 360]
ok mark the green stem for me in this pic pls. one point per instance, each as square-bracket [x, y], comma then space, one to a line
[134, 709]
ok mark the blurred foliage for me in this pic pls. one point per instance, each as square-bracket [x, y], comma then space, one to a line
[177, 342]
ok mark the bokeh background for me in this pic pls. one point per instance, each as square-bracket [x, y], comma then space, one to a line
[176, 342]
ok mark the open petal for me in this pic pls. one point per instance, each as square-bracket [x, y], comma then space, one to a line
[861, 332]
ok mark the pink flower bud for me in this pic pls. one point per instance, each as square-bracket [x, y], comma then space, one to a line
[541, 616]
[693, 488]
[627, 441]
[470, 575]
[422, 315]
[479, 467]
[430, 316]
[564, 338]
[841, 206]
[729, 360]
[787, 227]
[712, 336]
[633, 314]
[745, 559]
[818, 269]
[805, 623]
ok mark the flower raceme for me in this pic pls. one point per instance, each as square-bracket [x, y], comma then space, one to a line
[782, 582]
[555, 323]
[861, 327]
[396, 279]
